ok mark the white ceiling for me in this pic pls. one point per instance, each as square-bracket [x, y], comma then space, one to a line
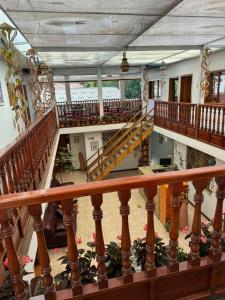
[90, 33]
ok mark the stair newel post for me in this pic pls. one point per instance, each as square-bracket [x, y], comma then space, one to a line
[215, 249]
[150, 235]
[194, 255]
[99, 241]
[175, 190]
[69, 222]
[124, 197]
[13, 261]
[43, 257]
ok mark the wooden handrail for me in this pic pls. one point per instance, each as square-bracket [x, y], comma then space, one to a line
[106, 186]
[33, 199]
[114, 137]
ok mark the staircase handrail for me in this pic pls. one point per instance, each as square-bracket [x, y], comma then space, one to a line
[117, 141]
[113, 138]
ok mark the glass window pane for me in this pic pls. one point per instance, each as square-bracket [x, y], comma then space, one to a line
[60, 91]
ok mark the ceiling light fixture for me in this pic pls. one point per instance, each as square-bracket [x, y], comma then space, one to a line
[124, 64]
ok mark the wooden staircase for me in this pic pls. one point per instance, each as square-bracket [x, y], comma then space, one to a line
[123, 142]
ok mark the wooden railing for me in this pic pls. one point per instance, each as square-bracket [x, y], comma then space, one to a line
[198, 278]
[108, 148]
[84, 113]
[203, 122]
[22, 162]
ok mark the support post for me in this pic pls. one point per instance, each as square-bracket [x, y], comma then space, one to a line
[100, 93]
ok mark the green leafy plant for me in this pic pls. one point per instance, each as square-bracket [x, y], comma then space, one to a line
[63, 161]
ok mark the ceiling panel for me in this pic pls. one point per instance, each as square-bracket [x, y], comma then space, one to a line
[215, 8]
[102, 6]
[59, 23]
[57, 40]
[76, 58]
[174, 40]
[188, 25]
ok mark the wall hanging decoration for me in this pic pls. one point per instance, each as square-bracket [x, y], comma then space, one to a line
[41, 83]
[205, 73]
[14, 75]
[162, 69]
[145, 83]
[124, 64]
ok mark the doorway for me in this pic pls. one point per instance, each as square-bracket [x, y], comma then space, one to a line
[185, 89]
[173, 89]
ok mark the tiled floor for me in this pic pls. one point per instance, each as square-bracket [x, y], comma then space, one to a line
[111, 222]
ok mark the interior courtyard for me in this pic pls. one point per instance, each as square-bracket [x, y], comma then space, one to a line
[112, 139]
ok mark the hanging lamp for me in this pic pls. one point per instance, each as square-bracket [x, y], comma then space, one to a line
[124, 64]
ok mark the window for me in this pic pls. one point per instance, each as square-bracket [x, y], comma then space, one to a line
[154, 89]
[217, 87]
[60, 91]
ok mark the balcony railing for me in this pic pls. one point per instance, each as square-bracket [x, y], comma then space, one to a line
[203, 122]
[21, 166]
[84, 113]
[197, 278]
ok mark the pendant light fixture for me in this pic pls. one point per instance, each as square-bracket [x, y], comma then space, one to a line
[124, 64]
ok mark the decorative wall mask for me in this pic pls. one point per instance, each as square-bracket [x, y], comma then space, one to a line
[205, 72]
[41, 83]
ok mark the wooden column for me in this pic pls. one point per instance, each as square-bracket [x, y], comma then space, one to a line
[150, 235]
[124, 197]
[68, 219]
[175, 189]
[99, 244]
[194, 257]
[13, 262]
[43, 257]
[215, 249]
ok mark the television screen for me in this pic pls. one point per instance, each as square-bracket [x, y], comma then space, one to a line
[165, 161]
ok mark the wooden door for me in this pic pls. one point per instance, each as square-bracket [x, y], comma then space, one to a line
[185, 89]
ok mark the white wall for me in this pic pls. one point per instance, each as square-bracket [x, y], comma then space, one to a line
[157, 150]
[209, 203]
[192, 67]
[130, 162]
[77, 145]
[91, 140]
[180, 155]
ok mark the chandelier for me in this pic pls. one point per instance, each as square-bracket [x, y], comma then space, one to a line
[124, 64]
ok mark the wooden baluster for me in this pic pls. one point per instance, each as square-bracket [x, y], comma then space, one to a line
[43, 257]
[150, 235]
[194, 257]
[9, 175]
[99, 244]
[175, 190]
[3, 178]
[14, 170]
[124, 197]
[203, 116]
[215, 249]
[218, 120]
[69, 221]
[214, 120]
[210, 119]
[223, 121]
[13, 262]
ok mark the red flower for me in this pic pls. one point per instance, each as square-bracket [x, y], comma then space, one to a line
[26, 259]
[79, 241]
[203, 239]
[94, 237]
[145, 227]
[56, 250]
[156, 234]
[185, 230]
[119, 237]
[6, 263]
